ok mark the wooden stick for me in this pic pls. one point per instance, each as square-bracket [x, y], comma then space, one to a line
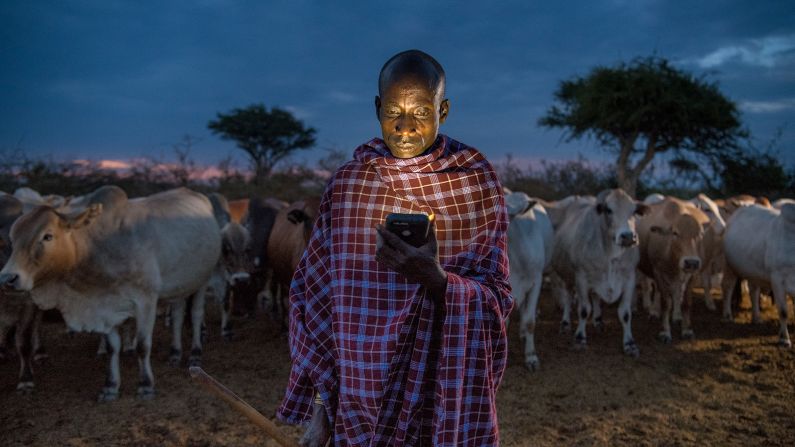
[217, 388]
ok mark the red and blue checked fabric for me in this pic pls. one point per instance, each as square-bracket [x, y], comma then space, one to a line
[393, 367]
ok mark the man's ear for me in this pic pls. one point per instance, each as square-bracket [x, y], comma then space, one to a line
[444, 109]
[377, 107]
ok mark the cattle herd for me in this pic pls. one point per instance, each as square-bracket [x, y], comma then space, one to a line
[112, 264]
[612, 248]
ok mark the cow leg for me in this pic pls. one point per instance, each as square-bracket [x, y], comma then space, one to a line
[197, 319]
[146, 314]
[598, 321]
[706, 282]
[583, 312]
[226, 309]
[24, 345]
[39, 353]
[755, 291]
[528, 324]
[656, 303]
[4, 353]
[177, 320]
[102, 349]
[646, 289]
[687, 305]
[563, 300]
[728, 285]
[667, 297]
[111, 389]
[625, 317]
[676, 314]
[780, 296]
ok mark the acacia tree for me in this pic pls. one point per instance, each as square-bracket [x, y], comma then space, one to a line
[267, 136]
[644, 108]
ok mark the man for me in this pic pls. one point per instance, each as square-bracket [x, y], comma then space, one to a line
[392, 344]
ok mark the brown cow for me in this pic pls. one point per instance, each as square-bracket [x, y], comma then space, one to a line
[112, 262]
[258, 221]
[238, 209]
[287, 242]
[670, 238]
[711, 249]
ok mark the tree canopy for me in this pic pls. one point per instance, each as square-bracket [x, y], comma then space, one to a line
[267, 136]
[644, 108]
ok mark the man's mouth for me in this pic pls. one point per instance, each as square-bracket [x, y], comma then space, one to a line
[404, 143]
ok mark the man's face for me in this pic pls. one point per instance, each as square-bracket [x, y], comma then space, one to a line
[410, 112]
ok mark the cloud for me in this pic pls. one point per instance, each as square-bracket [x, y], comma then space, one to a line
[299, 112]
[114, 164]
[766, 52]
[341, 97]
[768, 106]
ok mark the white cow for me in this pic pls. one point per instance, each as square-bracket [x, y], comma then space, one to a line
[596, 250]
[112, 262]
[233, 266]
[530, 239]
[759, 244]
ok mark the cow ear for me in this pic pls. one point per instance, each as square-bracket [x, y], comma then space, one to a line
[297, 216]
[85, 218]
[641, 209]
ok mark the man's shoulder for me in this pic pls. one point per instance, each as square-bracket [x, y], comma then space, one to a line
[471, 156]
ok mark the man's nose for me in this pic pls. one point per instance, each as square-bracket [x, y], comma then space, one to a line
[404, 126]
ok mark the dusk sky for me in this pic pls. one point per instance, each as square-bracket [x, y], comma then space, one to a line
[119, 80]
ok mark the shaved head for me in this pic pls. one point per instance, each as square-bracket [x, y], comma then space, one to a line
[416, 64]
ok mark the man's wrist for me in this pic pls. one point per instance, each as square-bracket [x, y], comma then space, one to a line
[439, 288]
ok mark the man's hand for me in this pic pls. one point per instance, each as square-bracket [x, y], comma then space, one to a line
[417, 264]
[318, 432]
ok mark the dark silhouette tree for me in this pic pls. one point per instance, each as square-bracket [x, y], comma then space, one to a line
[644, 108]
[755, 173]
[267, 136]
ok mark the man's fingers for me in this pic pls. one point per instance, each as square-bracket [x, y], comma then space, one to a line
[392, 239]
[389, 256]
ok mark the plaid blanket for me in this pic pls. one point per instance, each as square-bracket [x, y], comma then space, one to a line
[391, 365]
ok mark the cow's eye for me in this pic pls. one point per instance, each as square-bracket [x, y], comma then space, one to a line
[47, 237]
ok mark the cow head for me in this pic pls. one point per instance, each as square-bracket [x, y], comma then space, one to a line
[618, 211]
[683, 240]
[304, 212]
[236, 241]
[43, 246]
[518, 203]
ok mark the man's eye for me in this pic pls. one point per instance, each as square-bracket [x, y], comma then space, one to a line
[393, 112]
[422, 112]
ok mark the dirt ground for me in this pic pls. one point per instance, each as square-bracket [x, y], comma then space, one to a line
[730, 386]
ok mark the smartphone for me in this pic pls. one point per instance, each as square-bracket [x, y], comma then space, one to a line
[412, 228]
